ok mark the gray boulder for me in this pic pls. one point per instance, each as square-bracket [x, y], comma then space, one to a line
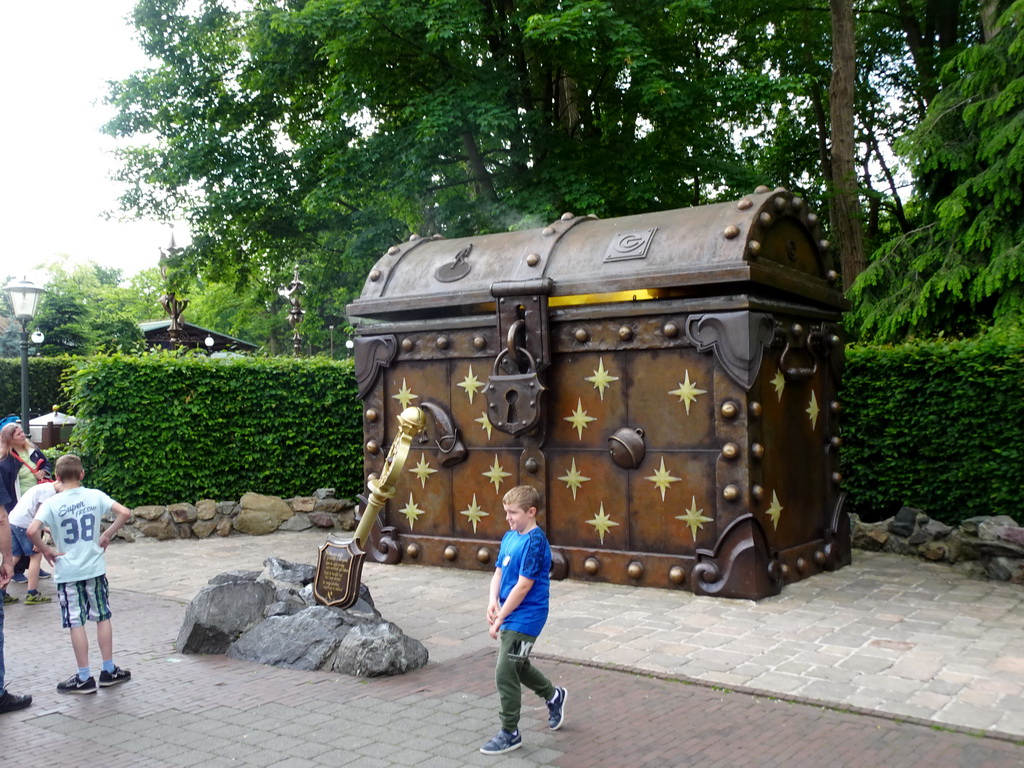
[220, 613]
[304, 640]
[377, 650]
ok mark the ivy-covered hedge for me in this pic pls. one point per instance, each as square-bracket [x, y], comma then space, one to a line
[164, 428]
[45, 390]
[935, 425]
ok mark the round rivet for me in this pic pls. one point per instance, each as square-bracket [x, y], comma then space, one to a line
[756, 450]
[372, 476]
[730, 492]
[479, 342]
[766, 219]
[796, 330]
[831, 276]
[582, 335]
[372, 447]
[798, 203]
[442, 342]
[393, 250]
[837, 477]
[753, 247]
[408, 345]
[375, 275]
[413, 237]
[635, 570]
[801, 565]
[731, 231]
[834, 340]
[671, 330]
[413, 550]
[824, 245]
[836, 441]
[533, 259]
[372, 414]
[730, 409]
[819, 556]
[785, 570]
[781, 204]
[483, 555]
[450, 553]
[547, 231]
[730, 451]
[755, 409]
[568, 216]
[676, 574]
[812, 219]
[757, 491]
[626, 333]
[835, 406]
[532, 465]
[745, 203]
[591, 565]
[761, 189]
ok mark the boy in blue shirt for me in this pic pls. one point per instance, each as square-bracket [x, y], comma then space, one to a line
[517, 610]
[74, 517]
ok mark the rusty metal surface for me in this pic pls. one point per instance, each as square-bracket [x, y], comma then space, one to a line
[682, 442]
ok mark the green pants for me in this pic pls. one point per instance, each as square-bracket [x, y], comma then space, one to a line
[514, 670]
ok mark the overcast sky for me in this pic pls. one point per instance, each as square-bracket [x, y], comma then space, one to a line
[55, 60]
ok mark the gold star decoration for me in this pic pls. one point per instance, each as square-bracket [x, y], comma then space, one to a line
[411, 511]
[694, 518]
[573, 479]
[496, 474]
[688, 392]
[405, 396]
[602, 523]
[471, 384]
[812, 410]
[779, 382]
[423, 470]
[662, 478]
[485, 424]
[775, 510]
[474, 512]
[601, 378]
[579, 419]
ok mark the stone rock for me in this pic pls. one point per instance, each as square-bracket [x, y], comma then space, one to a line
[302, 504]
[917, 538]
[870, 537]
[203, 529]
[233, 577]
[256, 522]
[376, 650]
[934, 551]
[228, 508]
[284, 608]
[321, 519]
[297, 522]
[280, 572]
[305, 640]
[331, 506]
[162, 529]
[970, 568]
[224, 526]
[183, 513]
[933, 529]
[274, 505]
[126, 534]
[904, 522]
[989, 528]
[897, 545]
[206, 509]
[220, 613]
[323, 493]
[970, 525]
[1001, 568]
[150, 512]
[1014, 534]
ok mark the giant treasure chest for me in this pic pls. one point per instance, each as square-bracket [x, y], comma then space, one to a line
[667, 381]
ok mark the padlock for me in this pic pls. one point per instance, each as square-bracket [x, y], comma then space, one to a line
[514, 401]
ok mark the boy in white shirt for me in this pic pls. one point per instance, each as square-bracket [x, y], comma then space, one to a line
[21, 518]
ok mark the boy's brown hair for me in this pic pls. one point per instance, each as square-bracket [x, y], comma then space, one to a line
[522, 496]
[68, 467]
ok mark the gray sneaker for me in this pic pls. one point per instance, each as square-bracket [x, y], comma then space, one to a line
[505, 741]
[556, 709]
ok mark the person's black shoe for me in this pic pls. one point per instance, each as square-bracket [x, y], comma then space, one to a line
[556, 709]
[74, 685]
[10, 702]
[116, 677]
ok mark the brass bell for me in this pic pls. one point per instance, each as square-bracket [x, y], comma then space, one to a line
[627, 447]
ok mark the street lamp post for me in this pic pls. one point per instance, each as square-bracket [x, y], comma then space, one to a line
[23, 297]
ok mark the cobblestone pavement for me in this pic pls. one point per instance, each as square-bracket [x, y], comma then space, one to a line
[889, 662]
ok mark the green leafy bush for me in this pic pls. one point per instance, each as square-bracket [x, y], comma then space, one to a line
[45, 384]
[162, 428]
[937, 425]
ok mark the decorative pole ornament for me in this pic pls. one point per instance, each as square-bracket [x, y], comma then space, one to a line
[173, 306]
[340, 564]
[293, 291]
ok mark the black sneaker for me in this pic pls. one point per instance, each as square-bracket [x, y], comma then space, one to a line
[10, 702]
[74, 685]
[119, 675]
[556, 709]
[503, 742]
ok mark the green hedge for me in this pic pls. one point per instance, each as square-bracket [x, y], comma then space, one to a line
[45, 389]
[162, 428]
[935, 425]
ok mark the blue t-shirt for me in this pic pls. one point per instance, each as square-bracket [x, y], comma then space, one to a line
[526, 554]
[75, 519]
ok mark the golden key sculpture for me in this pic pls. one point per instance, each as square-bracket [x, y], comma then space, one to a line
[340, 564]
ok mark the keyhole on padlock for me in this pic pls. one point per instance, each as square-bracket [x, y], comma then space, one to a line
[510, 399]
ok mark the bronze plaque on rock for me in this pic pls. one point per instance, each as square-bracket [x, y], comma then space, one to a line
[338, 567]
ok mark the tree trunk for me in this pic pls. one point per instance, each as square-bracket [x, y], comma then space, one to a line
[845, 209]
